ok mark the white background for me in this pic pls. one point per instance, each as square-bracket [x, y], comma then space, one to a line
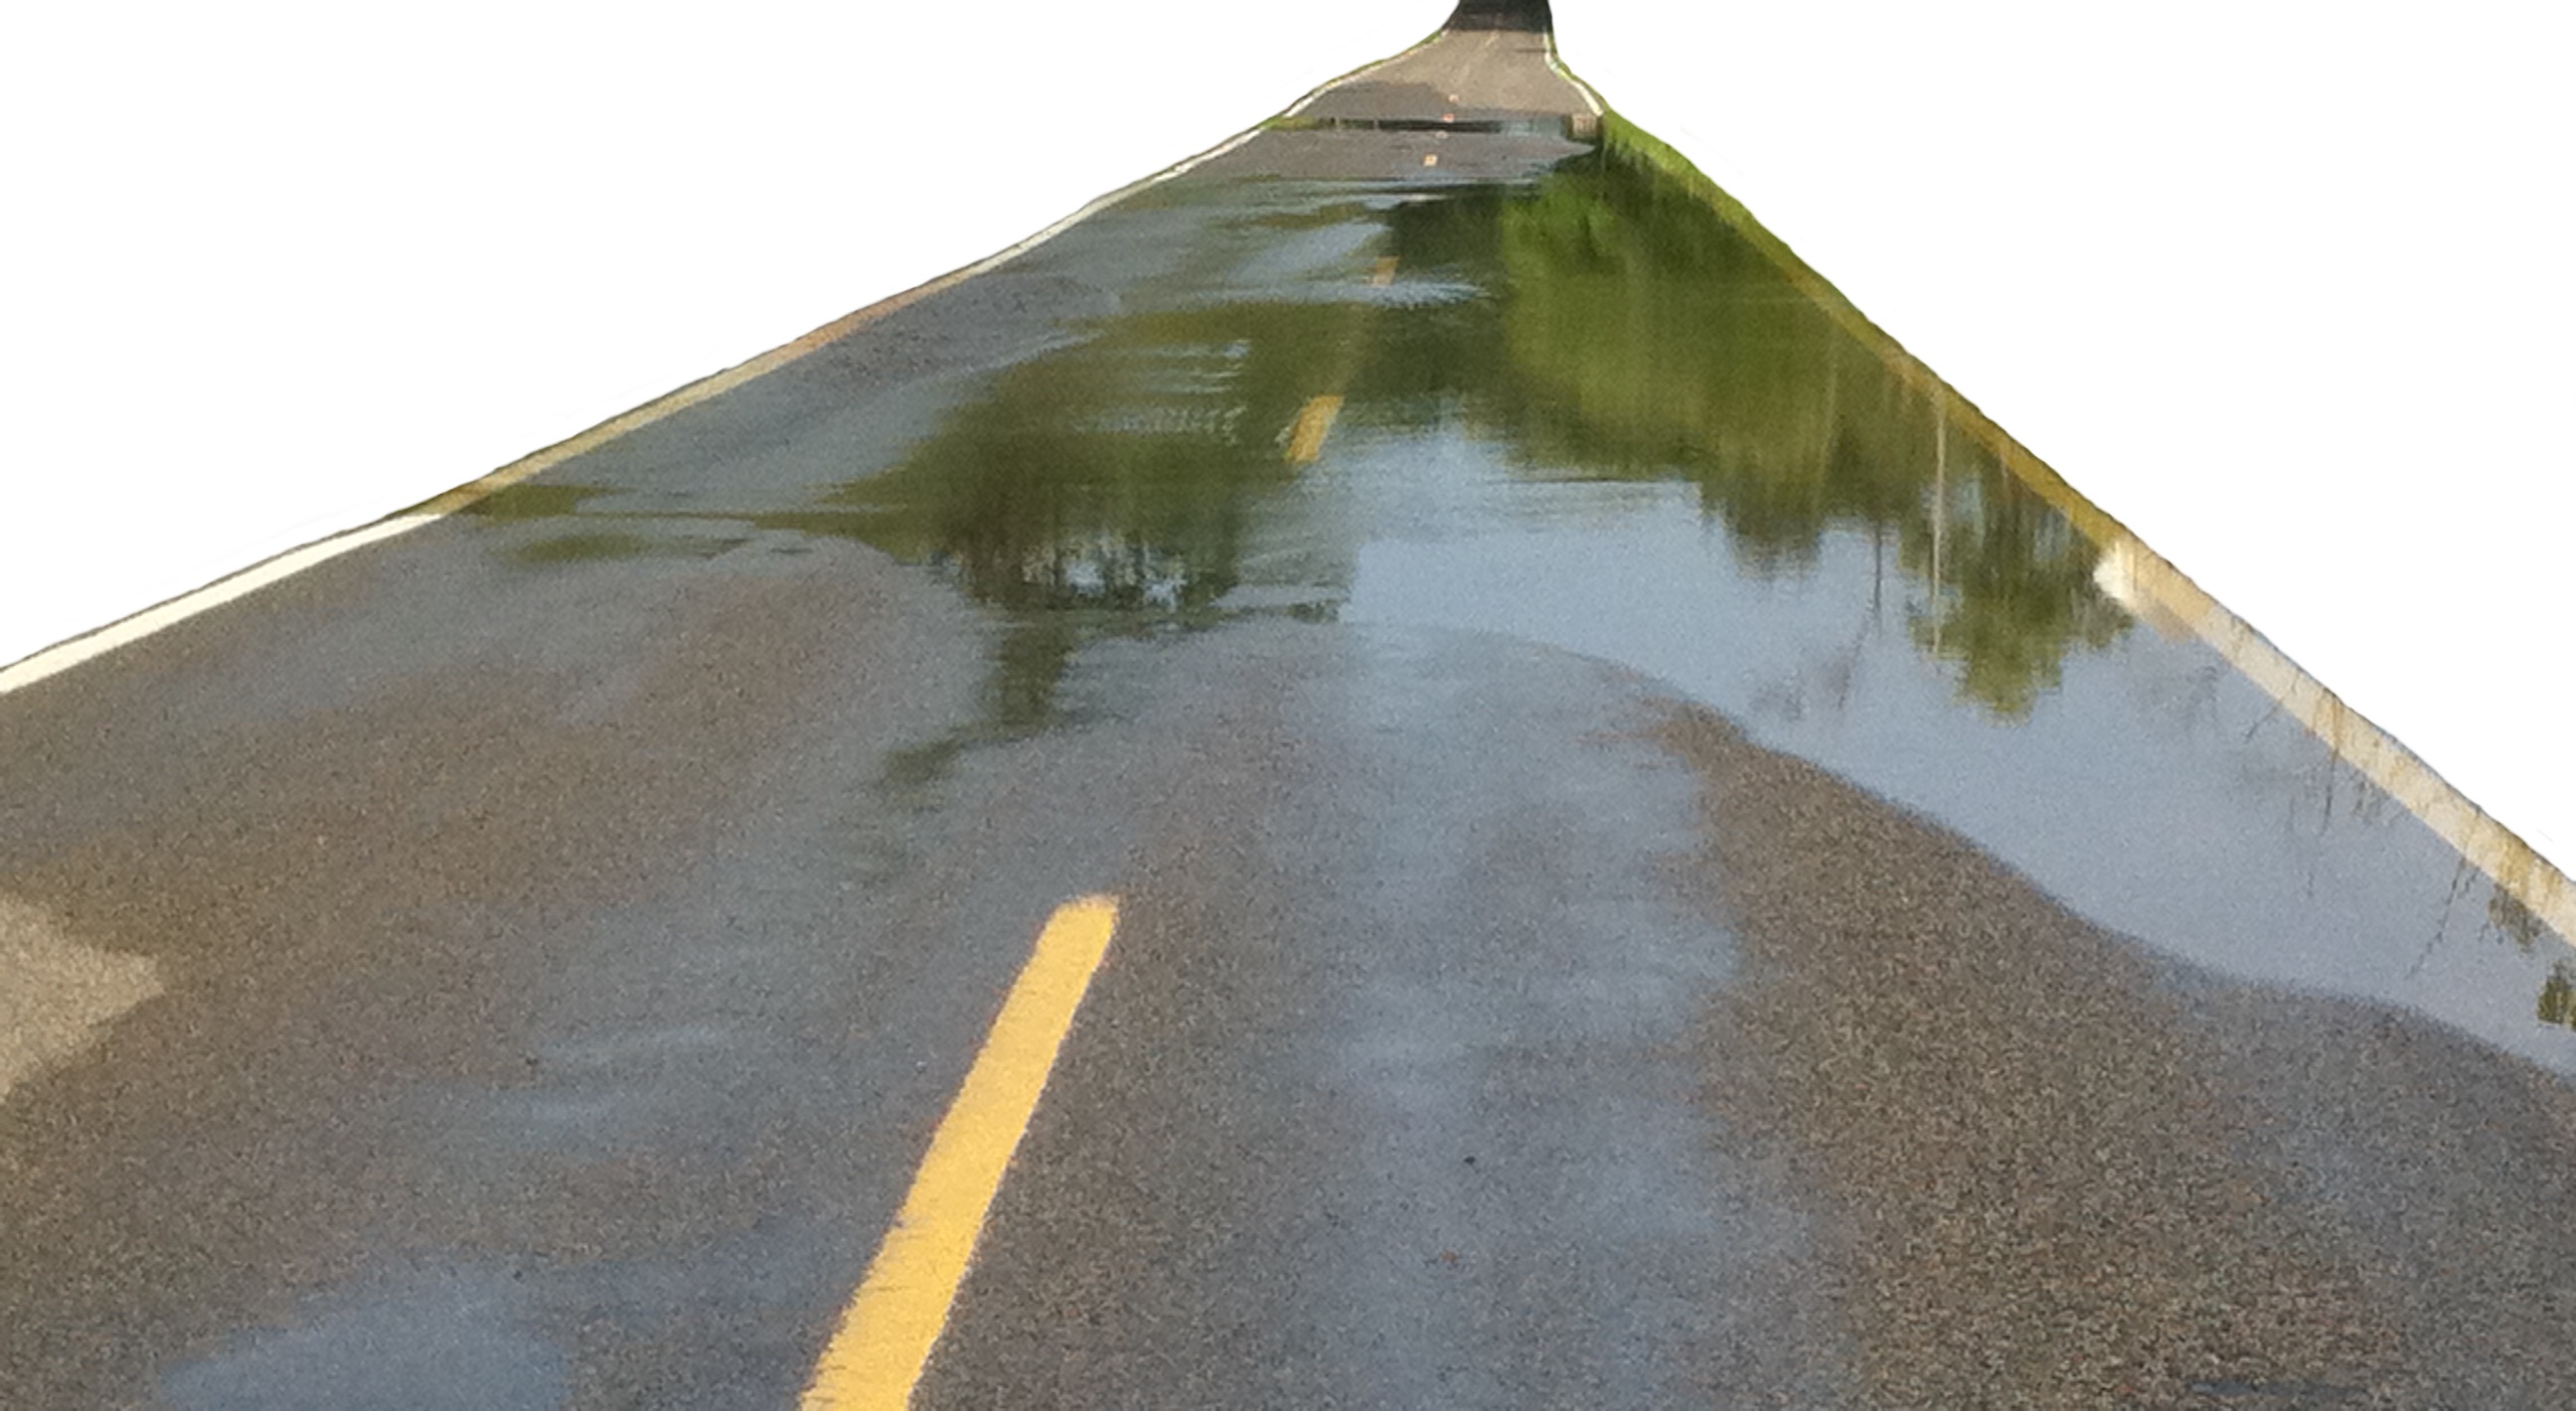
[2283, 286]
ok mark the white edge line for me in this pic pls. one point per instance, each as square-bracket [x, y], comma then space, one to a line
[64, 655]
[2149, 586]
[1590, 98]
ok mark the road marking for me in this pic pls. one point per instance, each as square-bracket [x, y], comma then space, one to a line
[65, 656]
[2146, 584]
[1431, 159]
[1591, 99]
[1314, 422]
[877, 1355]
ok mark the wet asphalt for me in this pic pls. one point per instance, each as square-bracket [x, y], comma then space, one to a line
[1653, 874]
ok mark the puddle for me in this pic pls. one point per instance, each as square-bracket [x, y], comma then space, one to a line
[1599, 339]
[1584, 410]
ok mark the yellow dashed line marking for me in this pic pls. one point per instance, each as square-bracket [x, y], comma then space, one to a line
[1431, 159]
[877, 1355]
[1314, 422]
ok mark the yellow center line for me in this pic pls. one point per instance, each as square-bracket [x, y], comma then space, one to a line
[877, 1354]
[1303, 441]
[1314, 422]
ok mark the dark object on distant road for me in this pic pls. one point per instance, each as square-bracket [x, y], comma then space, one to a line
[1503, 14]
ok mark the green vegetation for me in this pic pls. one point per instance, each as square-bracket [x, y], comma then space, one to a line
[534, 499]
[2558, 997]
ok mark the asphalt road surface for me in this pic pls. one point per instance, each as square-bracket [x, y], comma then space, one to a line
[1650, 870]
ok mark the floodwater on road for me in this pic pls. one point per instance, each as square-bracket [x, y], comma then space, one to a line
[1654, 866]
[1586, 411]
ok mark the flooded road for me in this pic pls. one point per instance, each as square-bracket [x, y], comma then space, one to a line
[1658, 866]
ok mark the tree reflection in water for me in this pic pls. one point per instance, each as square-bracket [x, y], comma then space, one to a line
[1647, 339]
[1604, 323]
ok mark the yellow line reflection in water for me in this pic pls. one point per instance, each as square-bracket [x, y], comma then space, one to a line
[885, 1336]
[1314, 422]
